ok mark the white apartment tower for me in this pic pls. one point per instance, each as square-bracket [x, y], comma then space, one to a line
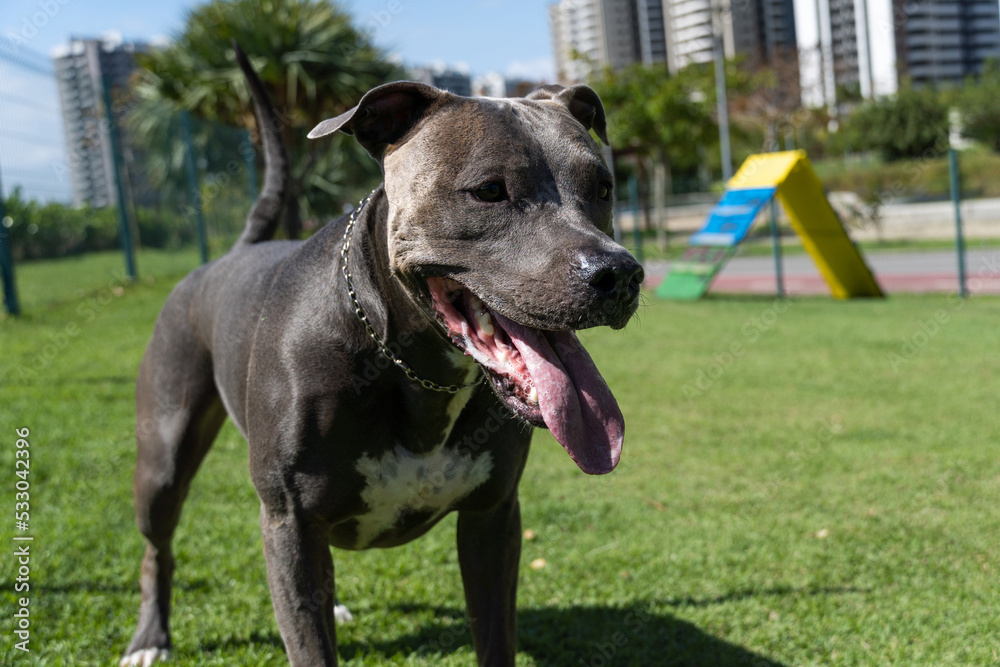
[83, 68]
[614, 33]
[590, 34]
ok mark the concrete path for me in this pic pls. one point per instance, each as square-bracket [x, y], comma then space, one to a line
[899, 221]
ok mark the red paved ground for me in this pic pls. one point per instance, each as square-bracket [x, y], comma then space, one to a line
[814, 284]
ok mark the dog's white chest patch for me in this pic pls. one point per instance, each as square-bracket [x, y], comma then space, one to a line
[400, 482]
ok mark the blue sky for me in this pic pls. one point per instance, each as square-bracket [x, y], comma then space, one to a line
[487, 35]
[509, 36]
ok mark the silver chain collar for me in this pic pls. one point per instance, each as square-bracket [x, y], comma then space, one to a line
[360, 312]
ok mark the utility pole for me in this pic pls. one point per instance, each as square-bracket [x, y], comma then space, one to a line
[868, 49]
[821, 52]
[722, 105]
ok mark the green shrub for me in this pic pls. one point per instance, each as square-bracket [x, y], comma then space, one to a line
[50, 230]
[913, 123]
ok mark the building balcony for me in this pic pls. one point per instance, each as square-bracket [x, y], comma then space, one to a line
[937, 72]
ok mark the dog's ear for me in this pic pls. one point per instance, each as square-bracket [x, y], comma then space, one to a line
[582, 102]
[383, 116]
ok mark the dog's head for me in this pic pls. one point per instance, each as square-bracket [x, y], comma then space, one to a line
[499, 224]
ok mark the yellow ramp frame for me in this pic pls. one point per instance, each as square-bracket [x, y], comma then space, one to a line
[823, 236]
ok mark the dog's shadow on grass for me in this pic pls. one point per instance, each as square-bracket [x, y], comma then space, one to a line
[587, 636]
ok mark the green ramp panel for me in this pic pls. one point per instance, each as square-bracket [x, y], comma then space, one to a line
[690, 277]
[715, 243]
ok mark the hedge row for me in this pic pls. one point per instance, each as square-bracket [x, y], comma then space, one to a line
[51, 230]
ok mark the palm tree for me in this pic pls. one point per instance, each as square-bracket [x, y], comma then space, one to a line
[314, 63]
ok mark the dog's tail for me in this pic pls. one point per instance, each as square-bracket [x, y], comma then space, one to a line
[265, 215]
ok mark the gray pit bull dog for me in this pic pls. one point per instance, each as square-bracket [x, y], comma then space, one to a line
[385, 372]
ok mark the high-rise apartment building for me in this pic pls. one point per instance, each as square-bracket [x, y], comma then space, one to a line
[651, 31]
[844, 54]
[688, 25]
[588, 34]
[83, 68]
[846, 50]
[945, 41]
[776, 37]
[759, 30]
[678, 32]
[445, 78]
[864, 48]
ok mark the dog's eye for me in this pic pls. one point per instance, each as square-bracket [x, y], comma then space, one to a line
[604, 191]
[490, 192]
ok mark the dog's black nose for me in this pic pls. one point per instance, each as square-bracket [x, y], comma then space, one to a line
[616, 278]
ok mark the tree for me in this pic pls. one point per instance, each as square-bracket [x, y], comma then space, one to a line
[314, 64]
[911, 124]
[654, 117]
[766, 95]
[978, 102]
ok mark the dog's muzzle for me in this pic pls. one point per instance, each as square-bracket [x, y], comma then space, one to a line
[615, 280]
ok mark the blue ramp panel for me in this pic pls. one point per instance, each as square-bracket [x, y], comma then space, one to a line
[710, 248]
[730, 219]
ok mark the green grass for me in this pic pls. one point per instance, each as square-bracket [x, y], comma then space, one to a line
[42, 284]
[827, 495]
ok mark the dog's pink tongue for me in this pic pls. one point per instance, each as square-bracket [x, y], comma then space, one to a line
[576, 404]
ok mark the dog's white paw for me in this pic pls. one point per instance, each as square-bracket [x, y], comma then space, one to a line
[145, 658]
[342, 614]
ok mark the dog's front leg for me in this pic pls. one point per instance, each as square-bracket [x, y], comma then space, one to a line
[489, 548]
[300, 576]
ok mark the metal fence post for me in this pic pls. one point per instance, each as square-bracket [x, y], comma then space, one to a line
[956, 198]
[7, 264]
[116, 159]
[193, 189]
[779, 276]
[616, 225]
[633, 204]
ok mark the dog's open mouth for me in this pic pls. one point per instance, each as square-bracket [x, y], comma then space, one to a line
[546, 378]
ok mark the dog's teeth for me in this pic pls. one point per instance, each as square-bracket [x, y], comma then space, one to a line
[485, 322]
[482, 317]
[533, 396]
[502, 355]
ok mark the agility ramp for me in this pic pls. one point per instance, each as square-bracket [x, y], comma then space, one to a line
[790, 177]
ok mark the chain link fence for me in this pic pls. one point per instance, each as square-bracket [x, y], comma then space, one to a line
[901, 215]
[75, 182]
[189, 190]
